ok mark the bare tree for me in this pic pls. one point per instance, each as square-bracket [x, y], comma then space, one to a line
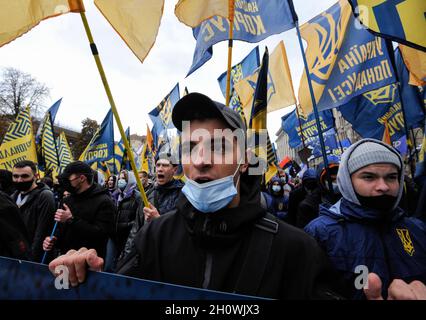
[19, 89]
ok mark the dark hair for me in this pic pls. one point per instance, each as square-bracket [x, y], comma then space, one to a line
[26, 163]
[48, 181]
[6, 181]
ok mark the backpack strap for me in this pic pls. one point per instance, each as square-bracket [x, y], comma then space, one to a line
[257, 256]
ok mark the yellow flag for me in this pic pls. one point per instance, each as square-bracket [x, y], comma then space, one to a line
[280, 85]
[136, 21]
[415, 60]
[20, 16]
[321, 52]
[193, 12]
[386, 134]
[18, 143]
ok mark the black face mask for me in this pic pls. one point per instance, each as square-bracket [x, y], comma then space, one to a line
[66, 185]
[23, 185]
[383, 203]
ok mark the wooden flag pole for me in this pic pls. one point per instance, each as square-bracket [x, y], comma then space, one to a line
[113, 107]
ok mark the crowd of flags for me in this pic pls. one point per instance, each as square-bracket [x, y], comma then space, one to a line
[354, 68]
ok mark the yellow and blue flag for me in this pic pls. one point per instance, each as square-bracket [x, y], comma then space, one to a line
[50, 113]
[19, 16]
[415, 61]
[398, 20]
[49, 150]
[280, 84]
[136, 21]
[162, 114]
[344, 60]
[257, 124]
[64, 152]
[254, 20]
[410, 94]
[241, 70]
[101, 146]
[375, 110]
[18, 144]
[291, 124]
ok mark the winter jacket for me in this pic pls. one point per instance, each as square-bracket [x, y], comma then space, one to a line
[37, 213]
[13, 234]
[93, 220]
[164, 198]
[127, 203]
[276, 203]
[209, 250]
[391, 245]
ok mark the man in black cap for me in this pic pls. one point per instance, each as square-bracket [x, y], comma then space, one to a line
[218, 237]
[86, 219]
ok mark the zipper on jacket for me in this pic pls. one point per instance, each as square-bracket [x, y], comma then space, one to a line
[207, 270]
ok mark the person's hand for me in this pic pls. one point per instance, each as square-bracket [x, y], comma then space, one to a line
[150, 213]
[48, 243]
[62, 215]
[398, 289]
[77, 263]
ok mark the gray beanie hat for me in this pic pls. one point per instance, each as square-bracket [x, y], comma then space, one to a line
[371, 152]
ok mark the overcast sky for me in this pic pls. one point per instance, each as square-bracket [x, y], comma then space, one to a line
[57, 53]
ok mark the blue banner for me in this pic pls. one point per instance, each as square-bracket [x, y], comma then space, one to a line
[368, 113]
[162, 114]
[362, 64]
[238, 72]
[333, 148]
[411, 97]
[290, 125]
[254, 21]
[101, 147]
[33, 281]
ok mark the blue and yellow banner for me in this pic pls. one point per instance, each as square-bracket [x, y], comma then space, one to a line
[100, 148]
[239, 71]
[254, 20]
[162, 114]
[18, 144]
[344, 59]
[370, 112]
[333, 147]
[290, 125]
[411, 97]
[398, 20]
[64, 152]
[118, 160]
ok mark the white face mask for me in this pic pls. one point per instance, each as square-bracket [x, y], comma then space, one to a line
[213, 195]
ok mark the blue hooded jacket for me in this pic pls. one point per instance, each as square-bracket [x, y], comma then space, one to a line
[277, 204]
[393, 247]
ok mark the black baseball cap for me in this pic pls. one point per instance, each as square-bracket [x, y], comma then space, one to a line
[199, 106]
[77, 167]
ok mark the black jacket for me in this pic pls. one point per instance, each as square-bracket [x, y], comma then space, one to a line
[164, 198]
[93, 219]
[13, 236]
[37, 213]
[191, 248]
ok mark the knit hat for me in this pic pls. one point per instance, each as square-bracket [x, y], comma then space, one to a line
[371, 152]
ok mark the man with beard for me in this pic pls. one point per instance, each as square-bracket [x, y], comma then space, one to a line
[36, 205]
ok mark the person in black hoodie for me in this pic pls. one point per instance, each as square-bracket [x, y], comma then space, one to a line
[87, 217]
[13, 236]
[36, 205]
[219, 237]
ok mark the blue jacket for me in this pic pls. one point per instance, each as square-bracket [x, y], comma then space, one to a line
[352, 235]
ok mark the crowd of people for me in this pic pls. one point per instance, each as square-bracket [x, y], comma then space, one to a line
[302, 236]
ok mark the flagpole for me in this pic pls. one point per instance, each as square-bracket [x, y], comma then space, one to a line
[230, 44]
[112, 103]
[301, 132]
[314, 106]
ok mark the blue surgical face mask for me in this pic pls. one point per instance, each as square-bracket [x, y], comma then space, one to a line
[276, 188]
[121, 184]
[211, 196]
